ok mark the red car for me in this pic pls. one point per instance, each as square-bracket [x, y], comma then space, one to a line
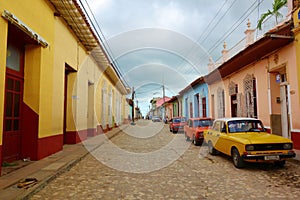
[195, 127]
[176, 124]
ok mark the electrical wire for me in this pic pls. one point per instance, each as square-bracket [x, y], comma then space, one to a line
[216, 25]
[235, 26]
[231, 29]
[107, 48]
[207, 28]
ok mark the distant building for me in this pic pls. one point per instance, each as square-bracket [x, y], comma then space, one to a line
[195, 100]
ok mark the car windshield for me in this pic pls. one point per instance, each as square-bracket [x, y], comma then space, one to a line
[203, 123]
[178, 120]
[245, 126]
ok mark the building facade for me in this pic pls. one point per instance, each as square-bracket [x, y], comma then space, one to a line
[296, 31]
[195, 100]
[261, 82]
[57, 84]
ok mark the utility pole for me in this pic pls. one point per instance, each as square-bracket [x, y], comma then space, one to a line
[164, 114]
[132, 112]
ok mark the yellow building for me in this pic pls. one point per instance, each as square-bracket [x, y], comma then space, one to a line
[57, 85]
[296, 30]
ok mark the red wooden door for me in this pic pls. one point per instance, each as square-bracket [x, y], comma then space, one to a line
[12, 118]
[12, 136]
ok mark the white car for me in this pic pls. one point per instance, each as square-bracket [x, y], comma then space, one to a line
[156, 119]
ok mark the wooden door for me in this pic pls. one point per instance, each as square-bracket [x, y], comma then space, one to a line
[12, 135]
[12, 118]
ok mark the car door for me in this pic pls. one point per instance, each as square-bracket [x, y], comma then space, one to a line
[221, 138]
[190, 128]
[212, 135]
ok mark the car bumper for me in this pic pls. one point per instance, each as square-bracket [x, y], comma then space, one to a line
[156, 120]
[268, 157]
[178, 128]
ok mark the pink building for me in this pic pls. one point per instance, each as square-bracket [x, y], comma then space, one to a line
[260, 81]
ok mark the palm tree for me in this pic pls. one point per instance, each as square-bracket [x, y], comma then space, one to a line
[277, 4]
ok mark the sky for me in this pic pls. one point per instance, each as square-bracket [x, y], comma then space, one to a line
[169, 42]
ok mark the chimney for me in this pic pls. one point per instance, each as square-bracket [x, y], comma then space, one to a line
[225, 52]
[249, 34]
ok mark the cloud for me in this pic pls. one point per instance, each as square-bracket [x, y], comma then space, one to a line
[169, 15]
[175, 36]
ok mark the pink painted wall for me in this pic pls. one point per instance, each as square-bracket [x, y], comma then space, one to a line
[285, 60]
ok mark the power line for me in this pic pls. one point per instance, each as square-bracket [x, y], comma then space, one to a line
[211, 21]
[107, 48]
[235, 26]
[219, 20]
[207, 28]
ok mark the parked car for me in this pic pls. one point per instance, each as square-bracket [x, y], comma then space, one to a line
[156, 119]
[194, 129]
[246, 140]
[176, 124]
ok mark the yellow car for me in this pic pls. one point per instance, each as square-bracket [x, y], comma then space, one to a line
[246, 140]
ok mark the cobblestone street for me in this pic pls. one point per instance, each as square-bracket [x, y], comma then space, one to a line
[146, 161]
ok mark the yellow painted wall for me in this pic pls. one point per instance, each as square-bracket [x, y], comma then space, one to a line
[34, 13]
[297, 48]
[65, 52]
[98, 100]
[105, 84]
[37, 85]
[86, 73]
[3, 38]
[45, 72]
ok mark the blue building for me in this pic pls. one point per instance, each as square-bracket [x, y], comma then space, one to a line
[195, 99]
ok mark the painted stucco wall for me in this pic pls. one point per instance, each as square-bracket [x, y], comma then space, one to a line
[286, 58]
[66, 51]
[38, 84]
[215, 104]
[117, 105]
[296, 18]
[44, 78]
[189, 95]
[266, 87]
[3, 37]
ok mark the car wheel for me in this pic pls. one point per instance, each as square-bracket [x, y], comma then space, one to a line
[280, 163]
[187, 138]
[237, 159]
[211, 149]
[195, 141]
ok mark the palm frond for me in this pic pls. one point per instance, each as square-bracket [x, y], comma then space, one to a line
[276, 6]
[262, 19]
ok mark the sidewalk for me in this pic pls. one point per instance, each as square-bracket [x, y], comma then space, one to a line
[297, 158]
[48, 168]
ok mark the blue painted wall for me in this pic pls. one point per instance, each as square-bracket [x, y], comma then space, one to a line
[190, 97]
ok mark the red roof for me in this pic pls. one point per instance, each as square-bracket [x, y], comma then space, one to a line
[160, 102]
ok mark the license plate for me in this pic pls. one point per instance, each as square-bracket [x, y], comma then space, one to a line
[272, 158]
